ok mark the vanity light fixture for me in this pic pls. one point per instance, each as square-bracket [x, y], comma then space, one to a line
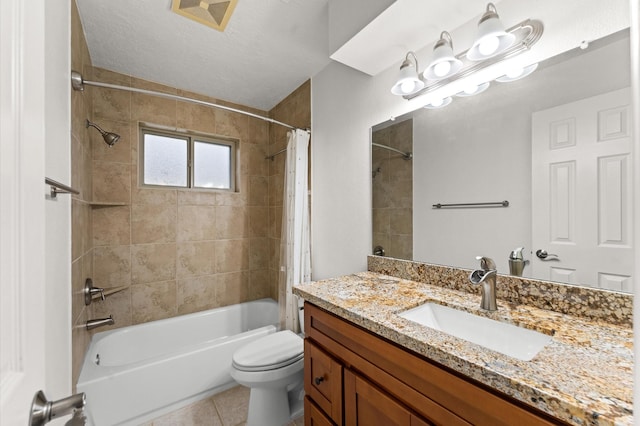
[444, 64]
[493, 45]
[438, 103]
[517, 73]
[473, 90]
[408, 81]
[492, 38]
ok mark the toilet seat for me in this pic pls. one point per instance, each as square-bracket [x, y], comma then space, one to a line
[270, 352]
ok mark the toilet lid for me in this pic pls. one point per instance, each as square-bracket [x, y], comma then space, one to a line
[269, 352]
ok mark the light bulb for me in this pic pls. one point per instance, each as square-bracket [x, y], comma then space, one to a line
[515, 72]
[437, 102]
[470, 90]
[407, 86]
[488, 45]
[442, 68]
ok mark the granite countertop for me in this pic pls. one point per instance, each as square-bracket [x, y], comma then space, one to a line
[584, 376]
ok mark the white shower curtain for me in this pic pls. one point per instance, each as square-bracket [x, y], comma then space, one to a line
[295, 248]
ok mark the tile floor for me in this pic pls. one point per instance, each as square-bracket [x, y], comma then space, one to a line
[228, 408]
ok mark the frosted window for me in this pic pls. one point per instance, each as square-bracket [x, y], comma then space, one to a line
[165, 160]
[211, 165]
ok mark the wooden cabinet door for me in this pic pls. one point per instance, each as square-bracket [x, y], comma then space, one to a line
[323, 380]
[366, 405]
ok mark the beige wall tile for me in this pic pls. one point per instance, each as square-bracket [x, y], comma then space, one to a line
[258, 191]
[258, 165]
[258, 132]
[232, 288]
[231, 124]
[78, 228]
[153, 301]
[153, 110]
[401, 247]
[152, 196]
[79, 342]
[111, 77]
[196, 117]
[195, 259]
[258, 253]
[197, 198]
[259, 286]
[232, 255]
[77, 286]
[401, 221]
[153, 223]
[153, 262]
[196, 223]
[232, 222]
[111, 182]
[111, 104]
[196, 294]
[259, 221]
[112, 266]
[111, 225]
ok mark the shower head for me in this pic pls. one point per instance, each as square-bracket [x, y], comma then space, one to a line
[109, 137]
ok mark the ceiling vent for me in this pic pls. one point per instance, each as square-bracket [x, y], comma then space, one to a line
[213, 13]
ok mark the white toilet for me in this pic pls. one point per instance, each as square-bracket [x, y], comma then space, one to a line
[272, 367]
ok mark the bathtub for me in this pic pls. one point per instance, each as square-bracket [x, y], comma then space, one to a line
[133, 374]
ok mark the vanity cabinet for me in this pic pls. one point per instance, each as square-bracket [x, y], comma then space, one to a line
[355, 377]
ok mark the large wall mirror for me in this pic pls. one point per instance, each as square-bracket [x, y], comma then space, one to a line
[556, 145]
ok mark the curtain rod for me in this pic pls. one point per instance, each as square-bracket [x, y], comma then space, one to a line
[406, 155]
[77, 82]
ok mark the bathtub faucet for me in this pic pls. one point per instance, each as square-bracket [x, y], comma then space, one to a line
[95, 323]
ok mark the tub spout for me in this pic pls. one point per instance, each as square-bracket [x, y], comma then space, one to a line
[95, 323]
[486, 278]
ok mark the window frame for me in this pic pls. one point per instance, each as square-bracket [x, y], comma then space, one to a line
[191, 138]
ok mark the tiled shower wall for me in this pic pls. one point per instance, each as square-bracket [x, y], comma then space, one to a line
[295, 110]
[175, 251]
[81, 229]
[392, 178]
[169, 252]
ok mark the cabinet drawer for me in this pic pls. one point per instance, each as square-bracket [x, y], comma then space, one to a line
[313, 416]
[323, 380]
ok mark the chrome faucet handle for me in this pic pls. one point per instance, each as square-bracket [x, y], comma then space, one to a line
[90, 291]
[486, 263]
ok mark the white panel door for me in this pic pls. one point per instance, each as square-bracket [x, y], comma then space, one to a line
[582, 192]
[28, 339]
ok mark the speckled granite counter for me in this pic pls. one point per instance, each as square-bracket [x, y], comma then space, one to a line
[584, 376]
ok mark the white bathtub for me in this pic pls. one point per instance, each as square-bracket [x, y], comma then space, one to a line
[150, 369]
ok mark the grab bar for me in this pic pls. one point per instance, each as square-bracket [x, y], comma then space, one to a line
[59, 188]
[504, 203]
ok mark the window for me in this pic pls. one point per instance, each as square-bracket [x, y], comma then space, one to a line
[186, 160]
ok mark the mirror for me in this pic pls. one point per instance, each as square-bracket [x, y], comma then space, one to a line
[479, 149]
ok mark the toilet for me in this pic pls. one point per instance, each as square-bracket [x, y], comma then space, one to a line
[273, 368]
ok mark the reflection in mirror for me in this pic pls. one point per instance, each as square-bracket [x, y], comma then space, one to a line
[573, 114]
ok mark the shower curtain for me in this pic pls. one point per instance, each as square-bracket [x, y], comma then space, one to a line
[295, 247]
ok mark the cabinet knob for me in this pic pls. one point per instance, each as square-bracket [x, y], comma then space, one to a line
[318, 380]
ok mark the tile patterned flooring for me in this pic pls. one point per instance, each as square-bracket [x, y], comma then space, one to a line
[228, 408]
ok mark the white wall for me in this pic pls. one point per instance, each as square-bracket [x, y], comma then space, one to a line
[346, 104]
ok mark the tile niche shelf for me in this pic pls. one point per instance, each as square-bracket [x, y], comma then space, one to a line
[106, 204]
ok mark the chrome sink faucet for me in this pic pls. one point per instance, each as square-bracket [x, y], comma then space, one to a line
[486, 277]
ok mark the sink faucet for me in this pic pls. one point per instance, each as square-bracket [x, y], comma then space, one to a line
[487, 278]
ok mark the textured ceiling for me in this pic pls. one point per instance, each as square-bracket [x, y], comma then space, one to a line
[267, 50]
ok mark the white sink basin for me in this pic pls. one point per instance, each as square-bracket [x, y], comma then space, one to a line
[511, 340]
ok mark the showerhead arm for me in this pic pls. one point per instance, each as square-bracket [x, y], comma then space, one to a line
[110, 138]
